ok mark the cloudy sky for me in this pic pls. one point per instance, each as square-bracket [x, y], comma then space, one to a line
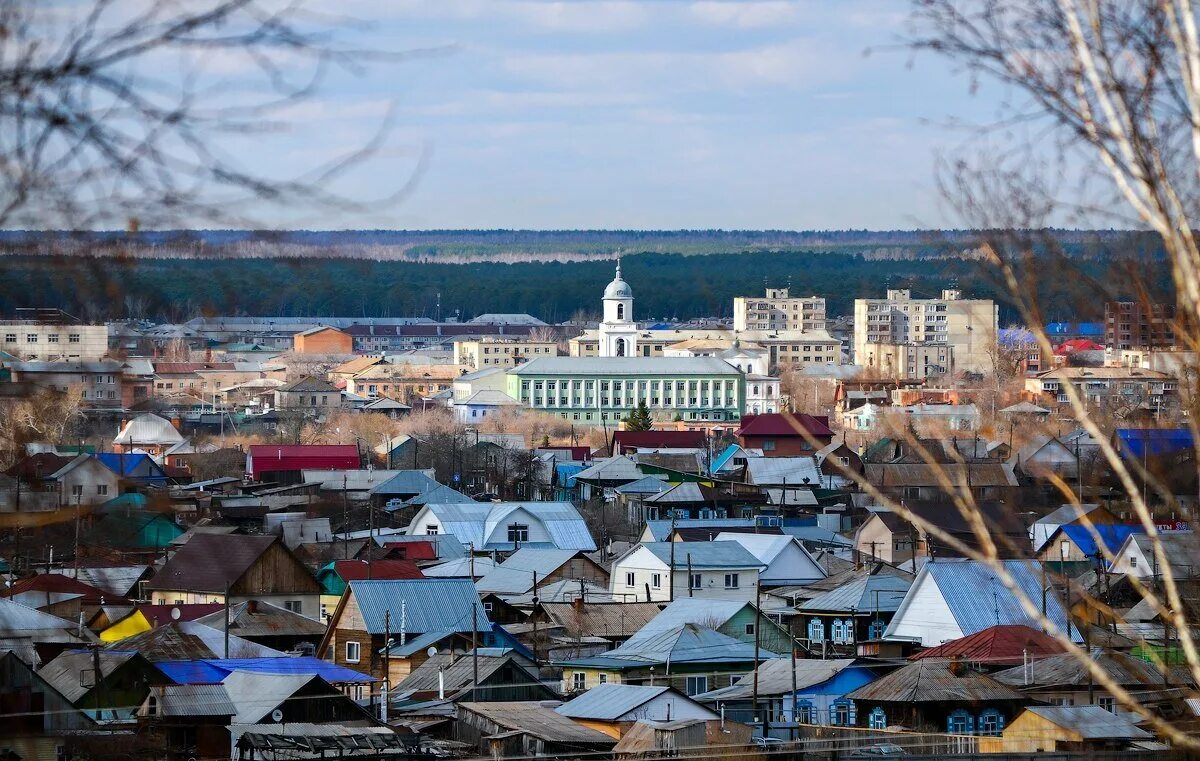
[662, 114]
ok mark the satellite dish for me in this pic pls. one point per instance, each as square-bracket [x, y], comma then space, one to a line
[175, 614]
[276, 715]
[432, 651]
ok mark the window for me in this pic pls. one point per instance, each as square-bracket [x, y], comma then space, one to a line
[52, 338]
[1108, 704]
[31, 338]
[656, 580]
[837, 635]
[877, 719]
[695, 581]
[487, 606]
[731, 581]
[76, 490]
[152, 706]
[960, 722]
[1133, 561]
[60, 753]
[518, 532]
[991, 722]
[697, 685]
[431, 529]
[102, 489]
[603, 678]
[876, 629]
[750, 629]
[805, 713]
[293, 606]
[630, 581]
[353, 652]
[578, 680]
[10, 338]
[768, 445]
[816, 630]
[73, 338]
[841, 714]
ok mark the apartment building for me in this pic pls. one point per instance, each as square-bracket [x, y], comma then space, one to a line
[52, 335]
[480, 354]
[915, 338]
[1126, 388]
[404, 382]
[1138, 325]
[779, 310]
[99, 382]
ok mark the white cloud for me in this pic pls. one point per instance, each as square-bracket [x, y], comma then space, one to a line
[747, 14]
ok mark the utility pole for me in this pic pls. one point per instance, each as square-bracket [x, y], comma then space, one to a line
[346, 523]
[226, 620]
[795, 719]
[671, 577]
[475, 652]
[757, 643]
[689, 561]
[535, 623]
[387, 645]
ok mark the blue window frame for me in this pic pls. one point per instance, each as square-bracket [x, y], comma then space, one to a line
[876, 629]
[841, 713]
[805, 713]
[816, 630]
[836, 633]
[959, 722]
[991, 722]
[877, 719]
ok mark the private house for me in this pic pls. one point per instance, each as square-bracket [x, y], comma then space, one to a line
[85, 480]
[299, 698]
[192, 718]
[733, 618]
[943, 602]
[1138, 558]
[504, 675]
[614, 708]
[137, 468]
[211, 567]
[530, 567]
[268, 625]
[614, 622]
[887, 536]
[938, 696]
[923, 482]
[115, 623]
[1077, 544]
[506, 525]
[335, 575]
[309, 395]
[689, 657]
[996, 647]
[662, 571]
[526, 730]
[286, 463]
[322, 339]
[857, 609]
[632, 442]
[809, 691]
[1062, 680]
[673, 530]
[786, 560]
[414, 614]
[788, 481]
[784, 434]
[1045, 456]
[890, 537]
[124, 681]
[1083, 729]
[838, 462]
[38, 637]
[59, 595]
[1068, 515]
[405, 382]
[48, 733]
[147, 433]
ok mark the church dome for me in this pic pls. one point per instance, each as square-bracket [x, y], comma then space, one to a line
[618, 288]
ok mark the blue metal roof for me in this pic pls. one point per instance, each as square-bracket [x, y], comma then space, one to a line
[610, 701]
[1112, 534]
[138, 466]
[1138, 442]
[978, 600]
[660, 530]
[429, 605]
[1075, 329]
[724, 554]
[567, 471]
[688, 643]
[215, 670]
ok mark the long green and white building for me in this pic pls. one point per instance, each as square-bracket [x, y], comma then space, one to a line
[595, 390]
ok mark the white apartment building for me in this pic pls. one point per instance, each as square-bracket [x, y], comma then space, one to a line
[778, 310]
[55, 340]
[498, 352]
[913, 338]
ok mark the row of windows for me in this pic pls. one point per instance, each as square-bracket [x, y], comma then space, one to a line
[33, 338]
[695, 581]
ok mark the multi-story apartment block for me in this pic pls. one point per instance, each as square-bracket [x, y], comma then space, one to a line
[1138, 325]
[480, 354]
[50, 335]
[98, 382]
[600, 390]
[918, 337]
[1130, 388]
[404, 382]
[779, 311]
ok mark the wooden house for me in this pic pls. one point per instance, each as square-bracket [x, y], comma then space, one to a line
[1085, 729]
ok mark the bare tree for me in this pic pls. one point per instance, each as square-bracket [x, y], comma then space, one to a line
[109, 114]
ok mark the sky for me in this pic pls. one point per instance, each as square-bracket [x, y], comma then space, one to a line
[614, 114]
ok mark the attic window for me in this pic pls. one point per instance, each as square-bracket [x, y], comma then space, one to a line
[152, 706]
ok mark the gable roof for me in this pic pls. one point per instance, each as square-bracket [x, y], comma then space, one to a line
[653, 439]
[660, 530]
[148, 428]
[359, 570]
[515, 574]
[308, 385]
[457, 672]
[479, 523]
[1004, 645]
[134, 465]
[611, 701]
[601, 619]
[686, 643]
[865, 591]
[704, 554]
[539, 721]
[783, 424]
[648, 485]
[690, 610]
[613, 469]
[1066, 669]
[1091, 722]
[262, 619]
[17, 620]
[211, 562]
[775, 678]
[932, 681]
[1113, 535]
[780, 471]
[406, 482]
[894, 475]
[430, 605]
[189, 641]
[65, 671]
[256, 695]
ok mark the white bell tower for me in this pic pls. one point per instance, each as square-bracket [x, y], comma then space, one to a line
[618, 331]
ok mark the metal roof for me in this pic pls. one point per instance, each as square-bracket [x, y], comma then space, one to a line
[148, 428]
[1091, 722]
[648, 485]
[256, 695]
[189, 640]
[866, 593]
[687, 492]
[613, 366]
[601, 619]
[460, 567]
[775, 678]
[17, 620]
[705, 554]
[609, 702]
[192, 700]
[932, 681]
[688, 643]
[477, 523]
[538, 720]
[429, 605]
[690, 610]
[515, 575]
[997, 646]
[406, 482]
[619, 468]
[660, 530]
[64, 672]
[782, 471]
[216, 669]
[1067, 669]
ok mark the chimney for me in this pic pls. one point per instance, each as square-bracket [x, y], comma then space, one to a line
[252, 606]
[957, 666]
[177, 423]
[577, 603]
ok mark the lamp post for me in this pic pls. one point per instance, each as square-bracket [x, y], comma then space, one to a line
[1064, 549]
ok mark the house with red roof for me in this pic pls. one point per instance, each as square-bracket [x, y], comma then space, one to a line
[784, 434]
[286, 462]
[628, 442]
[997, 647]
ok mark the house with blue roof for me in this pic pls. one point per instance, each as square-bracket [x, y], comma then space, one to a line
[953, 598]
[506, 525]
[663, 571]
[1077, 543]
[135, 467]
[413, 615]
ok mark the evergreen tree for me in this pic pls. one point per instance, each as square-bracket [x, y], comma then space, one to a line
[639, 418]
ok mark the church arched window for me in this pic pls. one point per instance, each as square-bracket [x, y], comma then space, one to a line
[620, 352]
[620, 311]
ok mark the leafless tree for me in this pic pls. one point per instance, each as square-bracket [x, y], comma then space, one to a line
[117, 114]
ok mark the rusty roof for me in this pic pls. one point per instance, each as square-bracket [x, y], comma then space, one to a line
[932, 681]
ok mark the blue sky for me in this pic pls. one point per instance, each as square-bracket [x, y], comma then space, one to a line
[666, 114]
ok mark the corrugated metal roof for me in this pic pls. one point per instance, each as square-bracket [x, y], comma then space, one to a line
[64, 672]
[207, 671]
[903, 474]
[775, 678]
[1091, 722]
[1066, 669]
[256, 695]
[192, 700]
[18, 620]
[189, 640]
[866, 593]
[690, 610]
[619, 468]
[997, 646]
[540, 721]
[705, 554]
[602, 619]
[480, 523]
[689, 643]
[515, 575]
[661, 530]
[932, 681]
[148, 428]
[406, 482]
[614, 366]
[647, 485]
[782, 471]
[460, 568]
[430, 605]
[609, 702]
[685, 493]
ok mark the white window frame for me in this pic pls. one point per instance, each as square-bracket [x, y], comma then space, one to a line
[356, 648]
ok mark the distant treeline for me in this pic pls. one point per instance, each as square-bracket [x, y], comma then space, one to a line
[666, 286]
